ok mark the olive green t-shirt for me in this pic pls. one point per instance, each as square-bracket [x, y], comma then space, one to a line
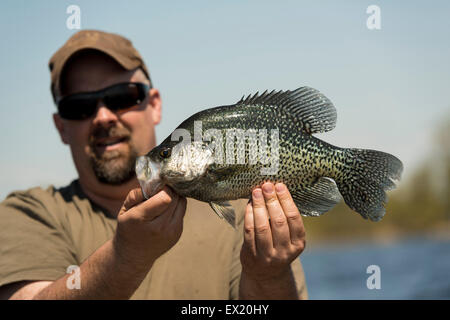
[43, 232]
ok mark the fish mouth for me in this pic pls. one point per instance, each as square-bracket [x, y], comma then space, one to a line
[148, 175]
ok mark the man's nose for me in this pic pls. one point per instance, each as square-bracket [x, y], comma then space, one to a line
[104, 116]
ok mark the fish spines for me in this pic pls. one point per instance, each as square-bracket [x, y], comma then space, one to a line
[305, 107]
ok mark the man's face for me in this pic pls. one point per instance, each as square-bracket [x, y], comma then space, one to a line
[106, 145]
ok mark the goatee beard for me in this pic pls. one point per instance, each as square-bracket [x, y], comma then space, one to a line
[113, 167]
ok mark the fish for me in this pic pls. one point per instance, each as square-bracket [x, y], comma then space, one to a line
[223, 153]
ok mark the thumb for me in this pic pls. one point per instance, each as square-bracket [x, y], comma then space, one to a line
[134, 197]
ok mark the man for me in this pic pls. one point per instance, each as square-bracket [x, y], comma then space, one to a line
[165, 247]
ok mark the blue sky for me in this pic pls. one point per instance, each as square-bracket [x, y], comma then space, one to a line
[390, 86]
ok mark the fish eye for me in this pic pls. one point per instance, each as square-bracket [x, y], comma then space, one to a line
[165, 153]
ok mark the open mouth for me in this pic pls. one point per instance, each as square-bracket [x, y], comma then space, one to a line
[148, 175]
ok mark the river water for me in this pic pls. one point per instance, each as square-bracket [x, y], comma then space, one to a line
[413, 268]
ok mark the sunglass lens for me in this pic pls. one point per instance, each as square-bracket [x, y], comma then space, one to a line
[118, 97]
[77, 108]
[124, 96]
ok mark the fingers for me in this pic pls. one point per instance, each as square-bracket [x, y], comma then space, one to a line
[293, 217]
[249, 229]
[270, 246]
[263, 234]
[134, 197]
[165, 200]
[278, 221]
[161, 205]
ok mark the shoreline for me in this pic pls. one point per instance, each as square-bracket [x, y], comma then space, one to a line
[438, 233]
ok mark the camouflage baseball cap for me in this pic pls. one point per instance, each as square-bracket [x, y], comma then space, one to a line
[117, 47]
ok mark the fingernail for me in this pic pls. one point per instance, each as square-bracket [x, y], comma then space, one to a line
[279, 187]
[257, 194]
[268, 188]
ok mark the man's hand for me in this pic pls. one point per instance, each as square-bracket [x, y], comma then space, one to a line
[145, 230]
[270, 246]
[148, 228]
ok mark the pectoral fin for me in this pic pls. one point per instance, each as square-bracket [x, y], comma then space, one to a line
[225, 211]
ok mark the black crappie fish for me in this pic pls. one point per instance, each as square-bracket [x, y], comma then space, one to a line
[224, 154]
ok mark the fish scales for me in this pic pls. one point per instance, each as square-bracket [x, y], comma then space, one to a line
[317, 174]
[298, 156]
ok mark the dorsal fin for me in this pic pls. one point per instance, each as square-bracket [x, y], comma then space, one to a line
[313, 111]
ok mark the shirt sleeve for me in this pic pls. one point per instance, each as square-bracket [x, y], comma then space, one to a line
[33, 244]
[236, 267]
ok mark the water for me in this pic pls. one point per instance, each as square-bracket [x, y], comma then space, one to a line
[415, 268]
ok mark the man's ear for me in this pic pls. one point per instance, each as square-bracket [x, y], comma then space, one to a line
[154, 100]
[59, 124]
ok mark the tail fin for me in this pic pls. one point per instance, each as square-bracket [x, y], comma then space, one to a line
[367, 176]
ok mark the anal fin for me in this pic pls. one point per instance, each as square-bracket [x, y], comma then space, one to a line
[225, 211]
[317, 199]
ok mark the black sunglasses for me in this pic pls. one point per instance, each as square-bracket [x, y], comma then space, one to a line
[122, 96]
